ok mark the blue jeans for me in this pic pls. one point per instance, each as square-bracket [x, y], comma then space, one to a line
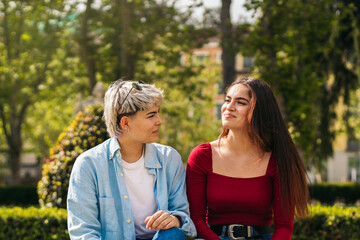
[170, 234]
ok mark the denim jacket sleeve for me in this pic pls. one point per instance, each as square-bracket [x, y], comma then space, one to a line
[178, 203]
[83, 219]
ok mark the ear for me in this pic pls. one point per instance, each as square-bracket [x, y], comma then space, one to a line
[124, 123]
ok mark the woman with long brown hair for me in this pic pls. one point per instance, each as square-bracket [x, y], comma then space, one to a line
[251, 174]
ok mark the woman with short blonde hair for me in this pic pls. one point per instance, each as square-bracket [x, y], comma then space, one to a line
[129, 187]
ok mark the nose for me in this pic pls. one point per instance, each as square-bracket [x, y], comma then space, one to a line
[159, 120]
[230, 106]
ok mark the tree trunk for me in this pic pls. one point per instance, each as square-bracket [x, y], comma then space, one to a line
[14, 160]
[228, 51]
[87, 51]
[125, 31]
[14, 142]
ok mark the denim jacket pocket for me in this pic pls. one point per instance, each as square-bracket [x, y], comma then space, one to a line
[108, 219]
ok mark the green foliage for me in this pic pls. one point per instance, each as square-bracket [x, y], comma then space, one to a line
[32, 43]
[329, 223]
[33, 223]
[86, 131]
[53, 109]
[328, 193]
[306, 52]
[325, 223]
[354, 119]
[188, 110]
[107, 39]
[189, 113]
[18, 195]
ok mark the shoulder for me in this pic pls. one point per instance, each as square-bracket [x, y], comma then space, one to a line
[94, 156]
[203, 149]
[164, 150]
[167, 157]
[200, 156]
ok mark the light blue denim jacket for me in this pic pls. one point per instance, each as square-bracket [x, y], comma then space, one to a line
[97, 206]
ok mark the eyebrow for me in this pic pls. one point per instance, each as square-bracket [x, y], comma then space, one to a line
[239, 98]
[153, 112]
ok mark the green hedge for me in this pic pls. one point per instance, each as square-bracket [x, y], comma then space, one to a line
[326, 223]
[329, 223]
[33, 223]
[19, 195]
[328, 193]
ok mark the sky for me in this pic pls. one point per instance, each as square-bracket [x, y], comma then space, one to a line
[236, 10]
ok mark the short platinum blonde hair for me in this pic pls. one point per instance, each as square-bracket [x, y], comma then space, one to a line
[121, 99]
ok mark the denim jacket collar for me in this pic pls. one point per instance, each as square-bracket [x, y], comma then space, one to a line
[151, 160]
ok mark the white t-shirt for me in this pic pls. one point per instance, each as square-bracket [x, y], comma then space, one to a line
[140, 185]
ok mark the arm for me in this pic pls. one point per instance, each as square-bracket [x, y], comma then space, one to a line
[284, 221]
[196, 177]
[82, 203]
[178, 203]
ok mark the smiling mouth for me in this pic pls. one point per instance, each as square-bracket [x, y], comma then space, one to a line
[228, 116]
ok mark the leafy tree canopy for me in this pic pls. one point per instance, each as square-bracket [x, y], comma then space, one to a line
[307, 50]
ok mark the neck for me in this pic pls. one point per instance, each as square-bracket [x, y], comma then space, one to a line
[239, 141]
[130, 151]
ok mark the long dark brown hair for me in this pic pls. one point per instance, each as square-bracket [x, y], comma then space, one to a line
[268, 130]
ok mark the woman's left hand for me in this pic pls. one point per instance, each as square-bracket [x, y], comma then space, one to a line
[161, 220]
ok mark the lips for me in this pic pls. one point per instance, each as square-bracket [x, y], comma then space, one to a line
[228, 115]
[156, 131]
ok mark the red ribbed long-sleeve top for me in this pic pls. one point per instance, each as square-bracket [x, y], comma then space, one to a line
[217, 199]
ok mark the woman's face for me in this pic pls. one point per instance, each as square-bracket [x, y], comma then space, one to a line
[235, 111]
[144, 125]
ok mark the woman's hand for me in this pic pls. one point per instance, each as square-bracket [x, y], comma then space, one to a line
[161, 220]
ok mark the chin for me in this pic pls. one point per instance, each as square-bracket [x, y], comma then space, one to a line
[227, 125]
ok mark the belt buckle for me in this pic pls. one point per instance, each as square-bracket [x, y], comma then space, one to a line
[231, 231]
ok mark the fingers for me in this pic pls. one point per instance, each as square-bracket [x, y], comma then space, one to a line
[161, 220]
[147, 219]
[152, 219]
[173, 223]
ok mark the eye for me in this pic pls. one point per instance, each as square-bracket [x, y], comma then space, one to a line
[241, 103]
[227, 100]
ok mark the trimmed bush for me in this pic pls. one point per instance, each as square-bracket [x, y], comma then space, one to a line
[18, 195]
[328, 193]
[86, 131]
[329, 223]
[33, 223]
[326, 223]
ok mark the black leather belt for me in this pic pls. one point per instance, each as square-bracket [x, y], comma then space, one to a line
[239, 231]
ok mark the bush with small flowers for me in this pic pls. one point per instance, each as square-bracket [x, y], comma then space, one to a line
[86, 131]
